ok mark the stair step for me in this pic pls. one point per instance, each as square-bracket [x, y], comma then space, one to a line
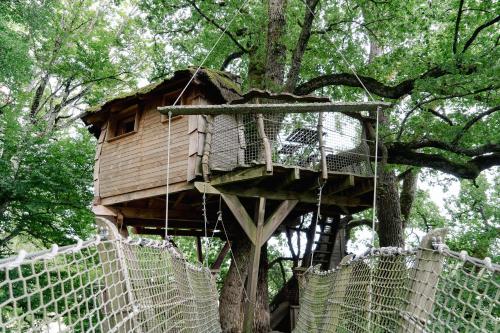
[323, 260]
[323, 233]
[322, 252]
[326, 243]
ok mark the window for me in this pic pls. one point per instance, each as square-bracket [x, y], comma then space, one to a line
[169, 99]
[123, 123]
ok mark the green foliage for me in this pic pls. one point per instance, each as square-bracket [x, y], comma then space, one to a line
[45, 188]
[475, 217]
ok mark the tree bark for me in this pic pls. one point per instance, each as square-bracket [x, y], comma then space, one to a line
[276, 49]
[390, 229]
[262, 317]
[232, 293]
[408, 194]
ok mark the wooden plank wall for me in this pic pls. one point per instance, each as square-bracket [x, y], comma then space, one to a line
[139, 161]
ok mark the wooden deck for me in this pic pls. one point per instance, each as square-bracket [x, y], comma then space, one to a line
[342, 194]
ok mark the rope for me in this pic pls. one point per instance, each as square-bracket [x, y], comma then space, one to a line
[247, 299]
[168, 174]
[318, 212]
[178, 99]
[351, 67]
[205, 223]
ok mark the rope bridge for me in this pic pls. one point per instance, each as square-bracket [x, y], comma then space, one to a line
[124, 285]
[107, 286]
[396, 290]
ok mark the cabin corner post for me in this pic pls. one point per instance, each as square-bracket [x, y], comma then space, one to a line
[205, 165]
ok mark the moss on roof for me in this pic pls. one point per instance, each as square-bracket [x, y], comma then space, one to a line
[226, 83]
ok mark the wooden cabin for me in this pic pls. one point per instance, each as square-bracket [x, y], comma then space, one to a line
[255, 154]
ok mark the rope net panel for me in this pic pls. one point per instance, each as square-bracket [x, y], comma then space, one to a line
[392, 290]
[294, 140]
[107, 286]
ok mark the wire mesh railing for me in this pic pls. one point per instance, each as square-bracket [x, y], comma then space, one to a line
[394, 290]
[107, 286]
[293, 139]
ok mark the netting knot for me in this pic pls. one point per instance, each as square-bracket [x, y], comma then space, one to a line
[488, 264]
[78, 246]
[463, 255]
[18, 261]
[53, 252]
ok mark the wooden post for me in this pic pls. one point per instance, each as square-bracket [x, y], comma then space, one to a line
[117, 294]
[253, 269]
[207, 148]
[265, 142]
[199, 249]
[428, 267]
[324, 166]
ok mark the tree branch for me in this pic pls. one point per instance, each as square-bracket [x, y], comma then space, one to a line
[477, 31]
[457, 26]
[374, 86]
[470, 152]
[300, 47]
[472, 121]
[233, 56]
[402, 154]
[214, 23]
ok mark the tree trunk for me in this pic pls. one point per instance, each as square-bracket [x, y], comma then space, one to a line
[408, 194]
[276, 49]
[262, 317]
[390, 229]
[232, 293]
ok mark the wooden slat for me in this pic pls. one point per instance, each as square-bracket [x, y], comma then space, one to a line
[146, 193]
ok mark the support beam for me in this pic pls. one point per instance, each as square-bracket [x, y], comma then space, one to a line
[347, 183]
[275, 220]
[253, 269]
[272, 108]
[241, 216]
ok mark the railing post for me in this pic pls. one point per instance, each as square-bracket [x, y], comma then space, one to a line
[324, 166]
[265, 142]
[425, 277]
[117, 297]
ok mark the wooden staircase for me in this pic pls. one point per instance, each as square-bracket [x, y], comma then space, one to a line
[330, 249]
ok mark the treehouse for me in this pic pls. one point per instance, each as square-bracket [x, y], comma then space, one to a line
[277, 157]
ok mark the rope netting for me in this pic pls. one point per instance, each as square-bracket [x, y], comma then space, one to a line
[294, 141]
[395, 290]
[107, 286]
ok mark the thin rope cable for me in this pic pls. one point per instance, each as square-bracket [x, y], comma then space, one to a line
[168, 174]
[247, 299]
[375, 178]
[205, 222]
[351, 67]
[177, 100]
[318, 212]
